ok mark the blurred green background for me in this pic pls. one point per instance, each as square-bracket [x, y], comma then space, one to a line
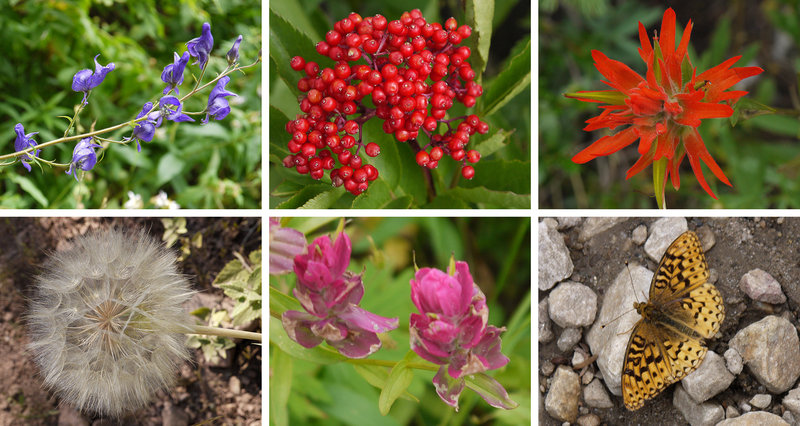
[46, 42]
[510, 36]
[498, 253]
[760, 156]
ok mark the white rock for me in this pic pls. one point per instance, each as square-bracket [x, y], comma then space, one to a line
[572, 305]
[589, 420]
[639, 235]
[561, 402]
[792, 401]
[568, 338]
[706, 236]
[545, 325]
[771, 350]
[595, 395]
[756, 418]
[595, 225]
[731, 412]
[761, 286]
[761, 400]
[662, 233]
[568, 222]
[702, 414]
[554, 262]
[733, 361]
[609, 342]
[710, 378]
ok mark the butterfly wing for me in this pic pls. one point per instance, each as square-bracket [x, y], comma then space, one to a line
[682, 268]
[656, 358]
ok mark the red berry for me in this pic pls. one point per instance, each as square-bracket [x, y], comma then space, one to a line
[372, 149]
[333, 37]
[437, 153]
[473, 156]
[297, 63]
[423, 158]
[468, 172]
[345, 172]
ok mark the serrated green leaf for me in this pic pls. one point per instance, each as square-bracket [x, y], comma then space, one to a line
[502, 175]
[255, 257]
[285, 42]
[302, 197]
[479, 16]
[228, 273]
[377, 196]
[514, 78]
[326, 199]
[398, 381]
[293, 12]
[495, 142]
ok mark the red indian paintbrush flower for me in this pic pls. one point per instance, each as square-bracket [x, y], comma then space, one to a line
[663, 110]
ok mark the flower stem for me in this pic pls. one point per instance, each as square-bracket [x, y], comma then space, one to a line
[660, 181]
[224, 332]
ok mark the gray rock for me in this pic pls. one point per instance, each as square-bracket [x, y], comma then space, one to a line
[761, 286]
[572, 305]
[761, 400]
[545, 325]
[792, 401]
[710, 378]
[595, 225]
[733, 361]
[706, 236]
[731, 412]
[554, 262]
[756, 418]
[568, 222]
[662, 233]
[639, 235]
[587, 377]
[568, 338]
[771, 350]
[561, 402]
[788, 417]
[704, 413]
[595, 395]
[589, 420]
[578, 357]
[548, 367]
[608, 337]
[235, 385]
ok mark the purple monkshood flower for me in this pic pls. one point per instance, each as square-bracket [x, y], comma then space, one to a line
[173, 73]
[330, 296]
[217, 104]
[24, 141]
[145, 129]
[85, 80]
[83, 157]
[451, 331]
[284, 245]
[233, 54]
[175, 115]
[201, 46]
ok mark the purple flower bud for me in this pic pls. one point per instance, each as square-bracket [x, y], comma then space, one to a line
[330, 295]
[177, 115]
[451, 328]
[284, 245]
[233, 54]
[173, 73]
[24, 141]
[83, 157]
[85, 80]
[201, 46]
[145, 129]
[217, 104]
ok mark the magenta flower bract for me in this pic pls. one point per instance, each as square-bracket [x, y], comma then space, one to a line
[284, 245]
[451, 329]
[330, 295]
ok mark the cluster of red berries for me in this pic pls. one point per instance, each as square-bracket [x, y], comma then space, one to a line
[400, 57]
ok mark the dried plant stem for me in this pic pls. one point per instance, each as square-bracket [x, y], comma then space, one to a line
[224, 332]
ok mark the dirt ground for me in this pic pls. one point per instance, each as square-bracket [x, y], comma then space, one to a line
[742, 244]
[226, 393]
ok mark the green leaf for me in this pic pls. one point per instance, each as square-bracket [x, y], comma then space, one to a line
[376, 376]
[306, 194]
[285, 42]
[293, 12]
[399, 379]
[28, 186]
[479, 17]
[491, 390]
[280, 386]
[515, 78]
[169, 166]
[325, 200]
[228, 272]
[748, 108]
[502, 175]
[500, 199]
[377, 196]
[494, 143]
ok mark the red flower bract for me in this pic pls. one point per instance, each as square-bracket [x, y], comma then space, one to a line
[663, 110]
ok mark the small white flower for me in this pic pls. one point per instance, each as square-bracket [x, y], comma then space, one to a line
[162, 201]
[134, 201]
[106, 322]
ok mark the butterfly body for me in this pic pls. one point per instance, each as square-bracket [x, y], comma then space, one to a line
[683, 309]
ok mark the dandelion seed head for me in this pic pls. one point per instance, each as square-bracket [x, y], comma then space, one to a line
[106, 321]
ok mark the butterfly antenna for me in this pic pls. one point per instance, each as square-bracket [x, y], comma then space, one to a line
[602, 326]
